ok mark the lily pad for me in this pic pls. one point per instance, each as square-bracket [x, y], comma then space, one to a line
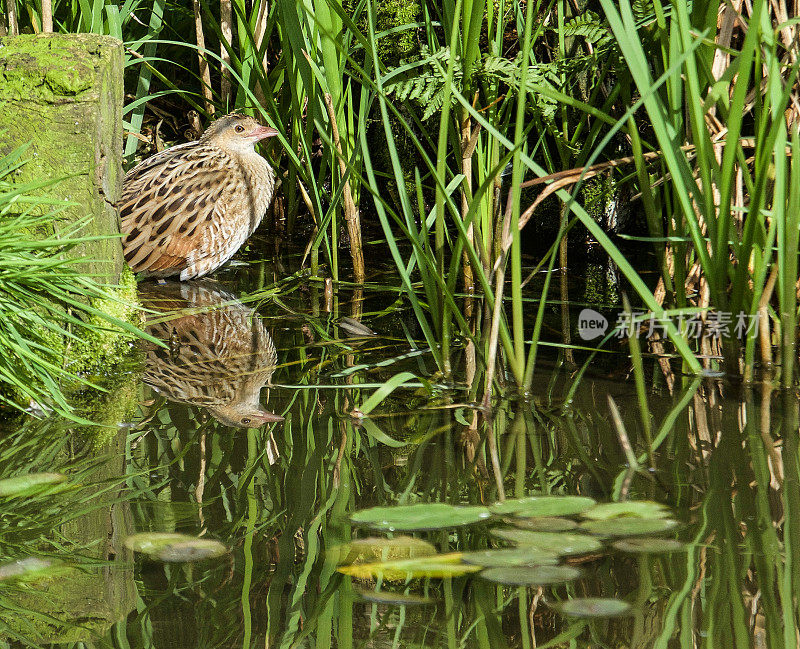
[423, 516]
[561, 544]
[629, 526]
[439, 566]
[543, 524]
[383, 549]
[531, 575]
[389, 597]
[649, 545]
[508, 557]
[175, 548]
[27, 568]
[543, 506]
[631, 508]
[593, 607]
[28, 484]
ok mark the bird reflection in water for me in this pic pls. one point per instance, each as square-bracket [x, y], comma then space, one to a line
[219, 354]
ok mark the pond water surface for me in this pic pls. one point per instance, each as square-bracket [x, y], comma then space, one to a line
[702, 555]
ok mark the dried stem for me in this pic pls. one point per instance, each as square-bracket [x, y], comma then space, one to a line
[47, 16]
[351, 215]
[226, 28]
[11, 12]
[205, 73]
[260, 32]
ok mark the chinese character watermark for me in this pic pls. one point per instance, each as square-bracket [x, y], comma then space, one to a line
[633, 324]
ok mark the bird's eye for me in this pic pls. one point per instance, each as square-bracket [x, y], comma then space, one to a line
[245, 420]
[239, 129]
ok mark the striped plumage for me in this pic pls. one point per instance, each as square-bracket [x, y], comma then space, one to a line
[187, 210]
[219, 356]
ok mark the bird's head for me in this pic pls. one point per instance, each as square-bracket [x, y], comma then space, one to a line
[236, 133]
[243, 415]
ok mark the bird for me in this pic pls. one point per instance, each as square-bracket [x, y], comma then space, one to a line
[186, 210]
[219, 355]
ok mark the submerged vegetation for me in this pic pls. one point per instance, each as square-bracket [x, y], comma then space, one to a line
[451, 469]
[452, 146]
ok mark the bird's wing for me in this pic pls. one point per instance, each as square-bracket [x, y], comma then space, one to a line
[167, 203]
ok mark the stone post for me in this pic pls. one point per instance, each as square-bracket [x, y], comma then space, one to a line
[63, 93]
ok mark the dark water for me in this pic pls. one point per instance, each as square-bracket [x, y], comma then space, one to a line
[191, 458]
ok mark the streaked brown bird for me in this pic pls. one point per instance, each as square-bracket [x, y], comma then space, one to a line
[187, 210]
[220, 355]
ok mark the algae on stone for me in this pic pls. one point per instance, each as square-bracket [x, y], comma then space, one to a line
[63, 93]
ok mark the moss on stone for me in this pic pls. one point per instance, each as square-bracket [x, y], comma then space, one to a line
[103, 348]
[62, 93]
[596, 193]
[400, 45]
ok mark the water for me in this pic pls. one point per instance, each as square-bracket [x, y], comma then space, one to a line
[279, 497]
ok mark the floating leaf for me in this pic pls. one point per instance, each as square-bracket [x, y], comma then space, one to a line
[531, 575]
[556, 543]
[389, 597]
[174, 548]
[593, 607]
[430, 516]
[544, 506]
[382, 549]
[439, 566]
[28, 484]
[649, 544]
[543, 524]
[629, 526]
[525, 556]
[631, 508]
[27, 568]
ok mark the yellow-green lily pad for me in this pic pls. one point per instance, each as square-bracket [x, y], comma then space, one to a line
[382, 549]
[175, 548]
[28, 484]
[439, 566]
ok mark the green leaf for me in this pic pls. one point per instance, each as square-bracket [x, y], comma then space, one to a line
[382, 549]
[561, 544]
[384, 391]
[543, 506]
[543, 524]
[436, 567]
[507, 557]
[638, 508]
[430, 516]
[392, 598]
[171, 547]
[531, 575]
[593, 607]
[649, 545]
[629, 526]
[28, 484]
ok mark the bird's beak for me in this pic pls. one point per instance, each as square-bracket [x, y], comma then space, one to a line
[266, 417]
[261, 132]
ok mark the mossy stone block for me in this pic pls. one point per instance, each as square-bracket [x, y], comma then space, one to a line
[63, 93]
